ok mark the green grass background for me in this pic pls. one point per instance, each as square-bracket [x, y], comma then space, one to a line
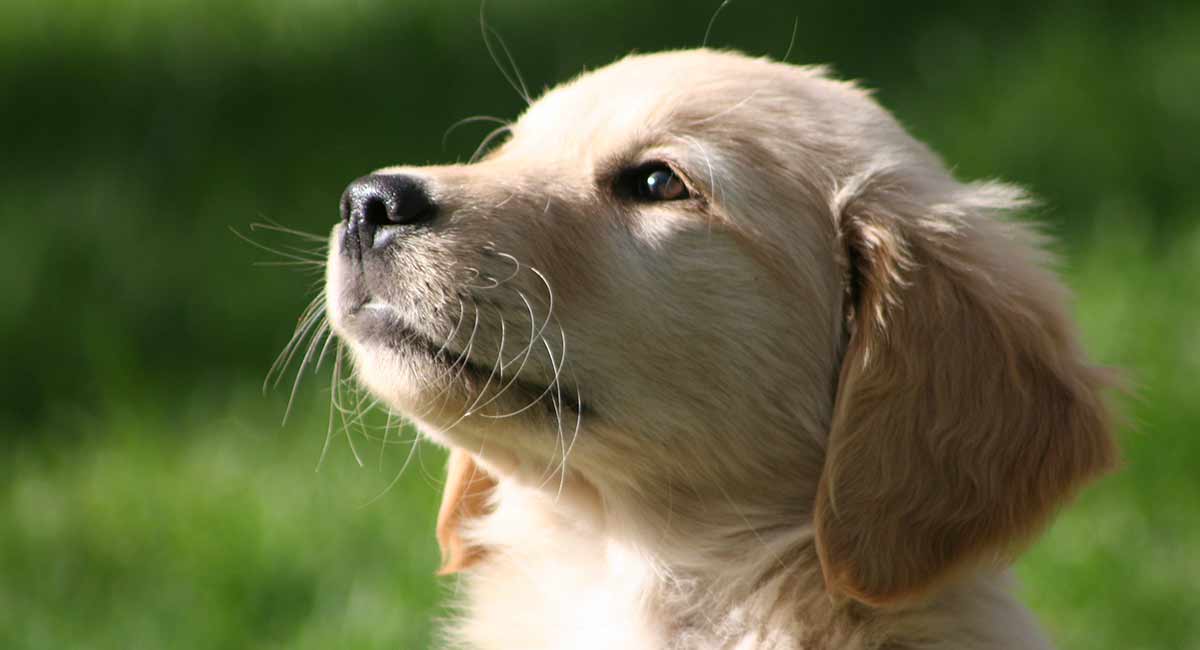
[149, 497]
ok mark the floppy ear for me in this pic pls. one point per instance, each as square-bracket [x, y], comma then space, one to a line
[965, 410]
[465, 497]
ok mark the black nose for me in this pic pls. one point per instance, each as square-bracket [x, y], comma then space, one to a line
[378, 200]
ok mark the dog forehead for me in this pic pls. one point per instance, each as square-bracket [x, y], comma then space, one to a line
[639, 96]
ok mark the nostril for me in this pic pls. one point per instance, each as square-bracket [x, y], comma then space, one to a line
[375, 210]
[376, 201]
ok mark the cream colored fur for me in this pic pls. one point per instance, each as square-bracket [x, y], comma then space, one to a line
[820, 404]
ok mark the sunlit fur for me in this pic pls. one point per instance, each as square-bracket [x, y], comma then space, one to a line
[819, 405]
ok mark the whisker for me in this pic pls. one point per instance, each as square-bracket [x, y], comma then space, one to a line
[442, 376]
[726, 111]
[711, 22]
[518, 84]
[487, 140]
[308, 317]
[354, 411]
[470, 410]
[469, 120]
[311, 264]
[342, 411]
[333, 389]
[712, 177]
[412, 450]
[516, 264]
[575, 434]
[275, 226]
[525, 357]
[479, 274]
[317, 253]
[264, 247]
[387, 430]
[556, 404]
[325, 349]
[562, 468]
[456, 368]
[792, 40]
[537, 399]
[462, 312]
[535, 337]
[314, 343]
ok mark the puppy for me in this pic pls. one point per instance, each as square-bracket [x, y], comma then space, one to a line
[725, 359]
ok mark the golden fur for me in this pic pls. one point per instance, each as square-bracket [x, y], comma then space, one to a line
[819, 404]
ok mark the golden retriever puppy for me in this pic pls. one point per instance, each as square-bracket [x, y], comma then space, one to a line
[725, 359]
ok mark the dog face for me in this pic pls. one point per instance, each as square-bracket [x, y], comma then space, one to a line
[613, 263]
[743, 278]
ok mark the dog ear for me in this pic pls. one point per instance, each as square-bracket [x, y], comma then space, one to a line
[465, 497]
[965, 411]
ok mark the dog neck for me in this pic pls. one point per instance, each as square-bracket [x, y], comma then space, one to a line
[580, 568]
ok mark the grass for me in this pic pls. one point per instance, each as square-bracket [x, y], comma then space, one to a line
[211, 532]
[1119, 569]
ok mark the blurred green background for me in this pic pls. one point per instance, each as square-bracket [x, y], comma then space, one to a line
[150, 498]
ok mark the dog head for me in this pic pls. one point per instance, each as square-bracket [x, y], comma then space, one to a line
[739, 278]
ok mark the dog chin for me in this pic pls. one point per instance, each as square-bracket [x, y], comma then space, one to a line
[423, 381]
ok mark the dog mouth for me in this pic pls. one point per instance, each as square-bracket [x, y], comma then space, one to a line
[375, 322]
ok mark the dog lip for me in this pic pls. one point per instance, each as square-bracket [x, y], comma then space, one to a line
[373, 319]
[374, 305]
[364, 322]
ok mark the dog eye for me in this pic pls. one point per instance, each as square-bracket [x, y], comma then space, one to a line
[657, 182]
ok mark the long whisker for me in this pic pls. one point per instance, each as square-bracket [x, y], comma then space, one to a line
[362, 406]
[275, 226]
[462, 312]
[478, 274]
[726, 111]
[333, 389]
[469, 120]
[312, 265]
[525, 357]
[412, 450]
[533, 339]
[329, 340]
[549, 296]
[544, 393]
[487, 140]
[346, 424]
[497, 368]
[575, 434]
[470, 410]
[516, 264]
[457, 367]
[317, 253]
[355, 409]
[311, 314]
[464, 357]
[449, 370]
[712, 177]
[259, 245]
[313, 345]
[517, 83]
[556, 404]
[792, 40]
[711, 22]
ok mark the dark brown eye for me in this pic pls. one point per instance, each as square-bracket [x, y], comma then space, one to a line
[658, 183]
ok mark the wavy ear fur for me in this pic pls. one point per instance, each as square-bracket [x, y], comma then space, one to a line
[464, 497]
[966, 411]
